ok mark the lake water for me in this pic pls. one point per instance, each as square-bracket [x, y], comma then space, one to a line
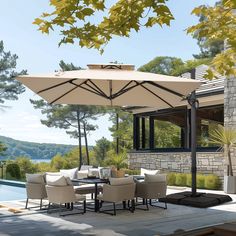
[40, 160]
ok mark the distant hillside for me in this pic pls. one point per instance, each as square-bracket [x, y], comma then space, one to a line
[16, 148]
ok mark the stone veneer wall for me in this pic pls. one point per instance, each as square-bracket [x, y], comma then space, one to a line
[207, 163]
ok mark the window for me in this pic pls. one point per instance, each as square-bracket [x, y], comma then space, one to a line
[207, 120]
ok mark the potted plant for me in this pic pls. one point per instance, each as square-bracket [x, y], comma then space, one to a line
[119, 161]
[225, 138]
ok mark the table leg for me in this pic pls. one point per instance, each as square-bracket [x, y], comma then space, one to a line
[96, 202]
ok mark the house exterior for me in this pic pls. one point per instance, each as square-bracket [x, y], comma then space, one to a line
[217, 105]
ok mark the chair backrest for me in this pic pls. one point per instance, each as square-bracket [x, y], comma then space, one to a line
[35, 186]
[153, 187]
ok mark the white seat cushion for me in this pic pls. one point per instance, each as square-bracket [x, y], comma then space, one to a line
[155, 178]
[82, 174]
[71, 173]
[121, 181]
[85, 167]
[149, 172]
[55, 180]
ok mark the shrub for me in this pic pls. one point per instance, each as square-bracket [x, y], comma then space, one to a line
[201, 181]
[13, 171]
[181, 179]
[171, 177]
[189, 180]
[26, 166]
[212, 182]
[132, 172]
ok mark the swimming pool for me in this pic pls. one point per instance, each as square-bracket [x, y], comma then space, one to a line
[8, 193]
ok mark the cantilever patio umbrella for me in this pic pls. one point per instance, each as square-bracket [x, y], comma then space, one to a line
[112, 84]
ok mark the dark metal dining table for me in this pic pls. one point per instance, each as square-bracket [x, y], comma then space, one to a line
[94, 181]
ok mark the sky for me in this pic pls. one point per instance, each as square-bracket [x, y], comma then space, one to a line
[40, 53]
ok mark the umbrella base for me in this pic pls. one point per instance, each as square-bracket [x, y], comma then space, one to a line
[200, 200]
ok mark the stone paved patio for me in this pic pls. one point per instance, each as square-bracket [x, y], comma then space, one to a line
[154, 222]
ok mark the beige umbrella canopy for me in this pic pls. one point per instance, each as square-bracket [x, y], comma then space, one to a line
[117, 85]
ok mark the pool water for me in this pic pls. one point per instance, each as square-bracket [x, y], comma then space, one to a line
[8, 193]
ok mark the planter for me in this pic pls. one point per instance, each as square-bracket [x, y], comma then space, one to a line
[118, 173]
[230, 184]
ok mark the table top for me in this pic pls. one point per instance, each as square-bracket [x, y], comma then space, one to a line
[91, 180]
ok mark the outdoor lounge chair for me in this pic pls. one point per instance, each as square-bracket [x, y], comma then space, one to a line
[119, 190]
[152, 188]
[35, 188]
[60, 191]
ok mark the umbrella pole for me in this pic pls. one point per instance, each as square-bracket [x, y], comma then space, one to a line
[194, 103]
[193, 146]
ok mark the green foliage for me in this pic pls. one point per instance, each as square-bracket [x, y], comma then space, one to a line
[58, 162]
[74, 19]
[218, 24]
[3, 148]
[166, 134]
[181, 179]
[189, 180]
[25, 165]
[201, 181]
[123, 131]
[101, 149]
[132, 172]
[13, 171]
[171, 177]
[163, 65]
[17, 148]
[9, 87]
[225, 138]
[119, 161]
[212, 182]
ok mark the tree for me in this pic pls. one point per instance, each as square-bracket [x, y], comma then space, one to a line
[122, 129]
[9, 87]
[208, 49]
[3, 148]
[162, 65]
[100, 150]
[73, 18]
[218, 25]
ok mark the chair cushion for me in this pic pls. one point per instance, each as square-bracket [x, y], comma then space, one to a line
[121, 181]
[53, 173]
[35, 178]
[104, 172]
[93, 172]
[85, 167]
[55, 180]
[82, 174]
[155, 178]
[149, 172]
[71, 173]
